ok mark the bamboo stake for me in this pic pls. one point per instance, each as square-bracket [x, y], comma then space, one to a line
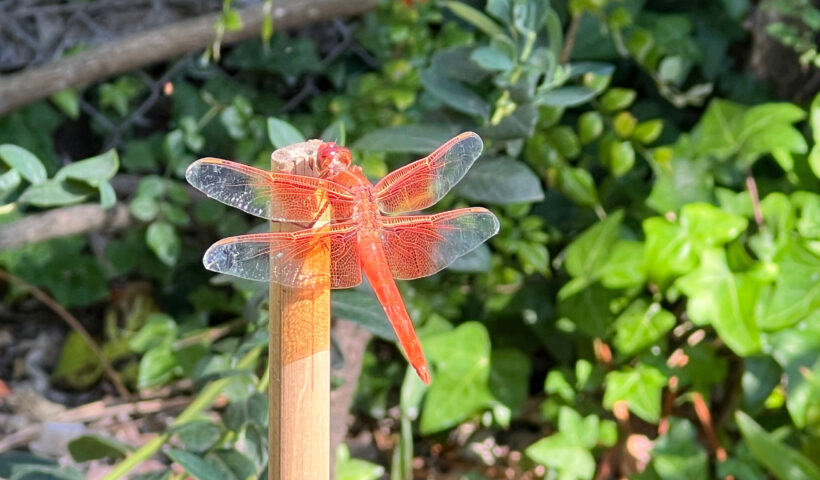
[299, 362]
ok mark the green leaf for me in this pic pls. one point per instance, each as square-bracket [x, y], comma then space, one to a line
[725, 300]
[798, 353]
[231, 464]
[590, 250]
[420, 139]
[156, 367]
[781, 460]
[144, 208]
[9, 181]
[461, 359]
[108, 197]
[590, 126]
[250, 410]
[475, 261]
[509, 377]
[354, 469]
[814, 119]
[159, 329]
[680, 182]
[500, 181]
[775, 137]
[68, 101]
[363, 308]
[474, 17]
[193, 464]
[163, 240]
[717, 131]
[199, 435]
[624, 266]
[561, 453]
[577, 184]
[335, 132]
[94, 447]
[640, 325]
[490, 58]
[677, 454]
[795, 293]
[648, 131]
[640, 388]
[581, 431]
[52, 193]
[26, 163]
[454, 94]
[565, 96]
[92, 171]
[587, 307]
[708, 225]
[282, 133]
[616, 99]
[534, 257]
[759, 119]
[78, 365]
[668, 252]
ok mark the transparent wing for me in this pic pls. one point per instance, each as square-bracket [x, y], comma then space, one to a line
[281, 197]
[422, 183]
[418, 246]
[293, 259]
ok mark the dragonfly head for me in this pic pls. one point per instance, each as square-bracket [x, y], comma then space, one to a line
[333, 159]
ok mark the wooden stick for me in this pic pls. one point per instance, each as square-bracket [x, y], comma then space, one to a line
[299, 361]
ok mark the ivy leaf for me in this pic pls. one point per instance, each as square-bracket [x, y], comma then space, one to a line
[590, 250]
[781, 460]
[559, 452]
[640, 325]
[348, 468]
[460, 383]
[640, 388]
[725, 300]
[798, 352]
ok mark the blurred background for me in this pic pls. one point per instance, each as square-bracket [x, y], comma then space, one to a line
[647, 311]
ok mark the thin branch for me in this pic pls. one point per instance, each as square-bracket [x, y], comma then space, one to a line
[74, 324]
[569, 40]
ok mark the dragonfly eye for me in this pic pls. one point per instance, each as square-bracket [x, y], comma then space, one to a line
[332, 158]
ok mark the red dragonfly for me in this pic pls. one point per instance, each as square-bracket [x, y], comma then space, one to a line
[359, 236]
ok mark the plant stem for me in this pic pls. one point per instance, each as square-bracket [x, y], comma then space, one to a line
[569, 41]
[201, 402]
[75, 325]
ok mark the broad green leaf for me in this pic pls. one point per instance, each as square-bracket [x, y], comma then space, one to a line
[144, 208]
[26, 163]
[9, 181]
[500, 181]
[648, 131]
[159, 329]
[193, 464]
[281, 133]
[250, 410]
[355, 469]
[92, 171]
[363, 308]
[420, 139]
[561, 453]
[509, 377]
[798, 353]
[623, 267]
[761, 374]
[492, 59]
[782, 461]
[774, 138]
[581, 431]
[570, 96]
[668, 252]
[93, 447]
[478, 260]
[78, 365]
[708, 225]
[52, 193]
[621, 157]
[591, 249]
[232, 464]
[474, 17]
[680, 182]
[564, 140]
[640, 388]
[199, 435]
[758, 120]
[796, 291]
[519, 124]
[717, 131]
[640, 325]
[577, 184]
[163, 240]
[677, 454]
[454, 94]
[814, 119]
[461, 359]
[587, 307]
[157, 366]
[725, 300]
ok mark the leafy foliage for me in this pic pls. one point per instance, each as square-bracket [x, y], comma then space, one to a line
[649, 255]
